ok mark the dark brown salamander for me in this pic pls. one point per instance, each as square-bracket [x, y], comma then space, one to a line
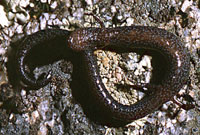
[50, 41]
[82, 42]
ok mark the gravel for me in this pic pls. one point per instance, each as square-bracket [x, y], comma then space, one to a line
[53, 110]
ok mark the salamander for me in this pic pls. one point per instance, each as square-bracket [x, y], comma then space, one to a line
[80, 45]
[36, 48]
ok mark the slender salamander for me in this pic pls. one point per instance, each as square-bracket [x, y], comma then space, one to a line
[82, 42]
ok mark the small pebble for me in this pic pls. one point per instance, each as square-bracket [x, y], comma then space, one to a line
[54, 5]
[186, 4]
[34, 116]
[182, 116]
[22, 17]
[3, 19]
[43, 1]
